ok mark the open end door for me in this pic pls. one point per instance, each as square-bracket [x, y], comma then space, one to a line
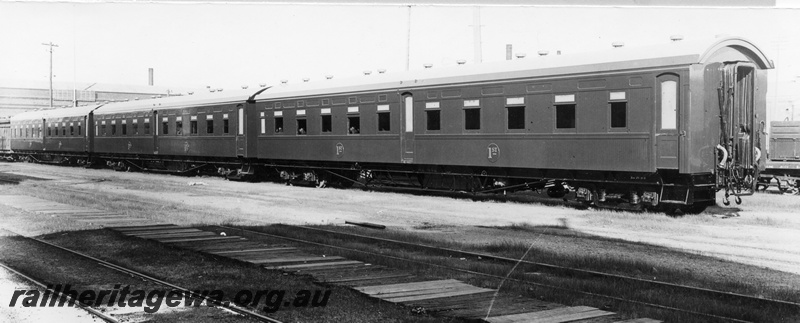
[739, 134]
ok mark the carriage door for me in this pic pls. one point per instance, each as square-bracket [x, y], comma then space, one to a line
[87, 139]
[407, 134]
[240, 138]
[668, 122]
[155, 122]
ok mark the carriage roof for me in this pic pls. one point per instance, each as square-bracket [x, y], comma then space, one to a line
[681, 53]
[54, 113]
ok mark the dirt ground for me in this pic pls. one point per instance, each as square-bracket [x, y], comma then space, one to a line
[763, 231]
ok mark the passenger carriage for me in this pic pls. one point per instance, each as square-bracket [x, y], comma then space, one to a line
[638, 125]
[665, 125]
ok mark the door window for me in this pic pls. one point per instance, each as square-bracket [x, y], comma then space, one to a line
[669, 105]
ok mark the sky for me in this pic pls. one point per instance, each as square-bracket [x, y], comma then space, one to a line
[229, 44]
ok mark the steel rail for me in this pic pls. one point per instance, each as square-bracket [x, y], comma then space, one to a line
[60, 295]
[185, 291]
[551, 266]
[657, 306]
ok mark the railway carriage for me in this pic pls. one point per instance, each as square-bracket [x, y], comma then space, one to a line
[26, 134]
[665, 126]
[66, 135]
[177, 134]
[5, 138]
[783, 158]
[52, 136]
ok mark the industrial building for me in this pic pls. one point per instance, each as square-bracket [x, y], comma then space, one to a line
[19, 96]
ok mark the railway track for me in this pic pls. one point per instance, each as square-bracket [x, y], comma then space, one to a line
[222, 191]
[633, 282]
[60, 295]
[710, 293]
[134, 273]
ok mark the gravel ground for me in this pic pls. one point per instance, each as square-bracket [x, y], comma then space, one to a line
[764, 231]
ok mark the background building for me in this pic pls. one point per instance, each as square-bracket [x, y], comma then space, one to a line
[20, 96]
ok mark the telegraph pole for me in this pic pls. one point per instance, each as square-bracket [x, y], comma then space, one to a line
[51, 70]
[408, 41]
[476, 34]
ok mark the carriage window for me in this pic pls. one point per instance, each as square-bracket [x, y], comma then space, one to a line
[71, 130]
[135, 128]
[179, 127]
[210, 126]
[146, 127]
[102, 130]
[472, 119]
[225, 128]
[124, 128]
[619, 117]
[63, 130]
[433, 120]
[278, 124]
[49, 131]
[669, 104]
[165, 127]
[353, 125]
[79, 130]
[193, 126]
[565, 116]
[516, 117]
[301, 126]
[326, 123]
[383, 121]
